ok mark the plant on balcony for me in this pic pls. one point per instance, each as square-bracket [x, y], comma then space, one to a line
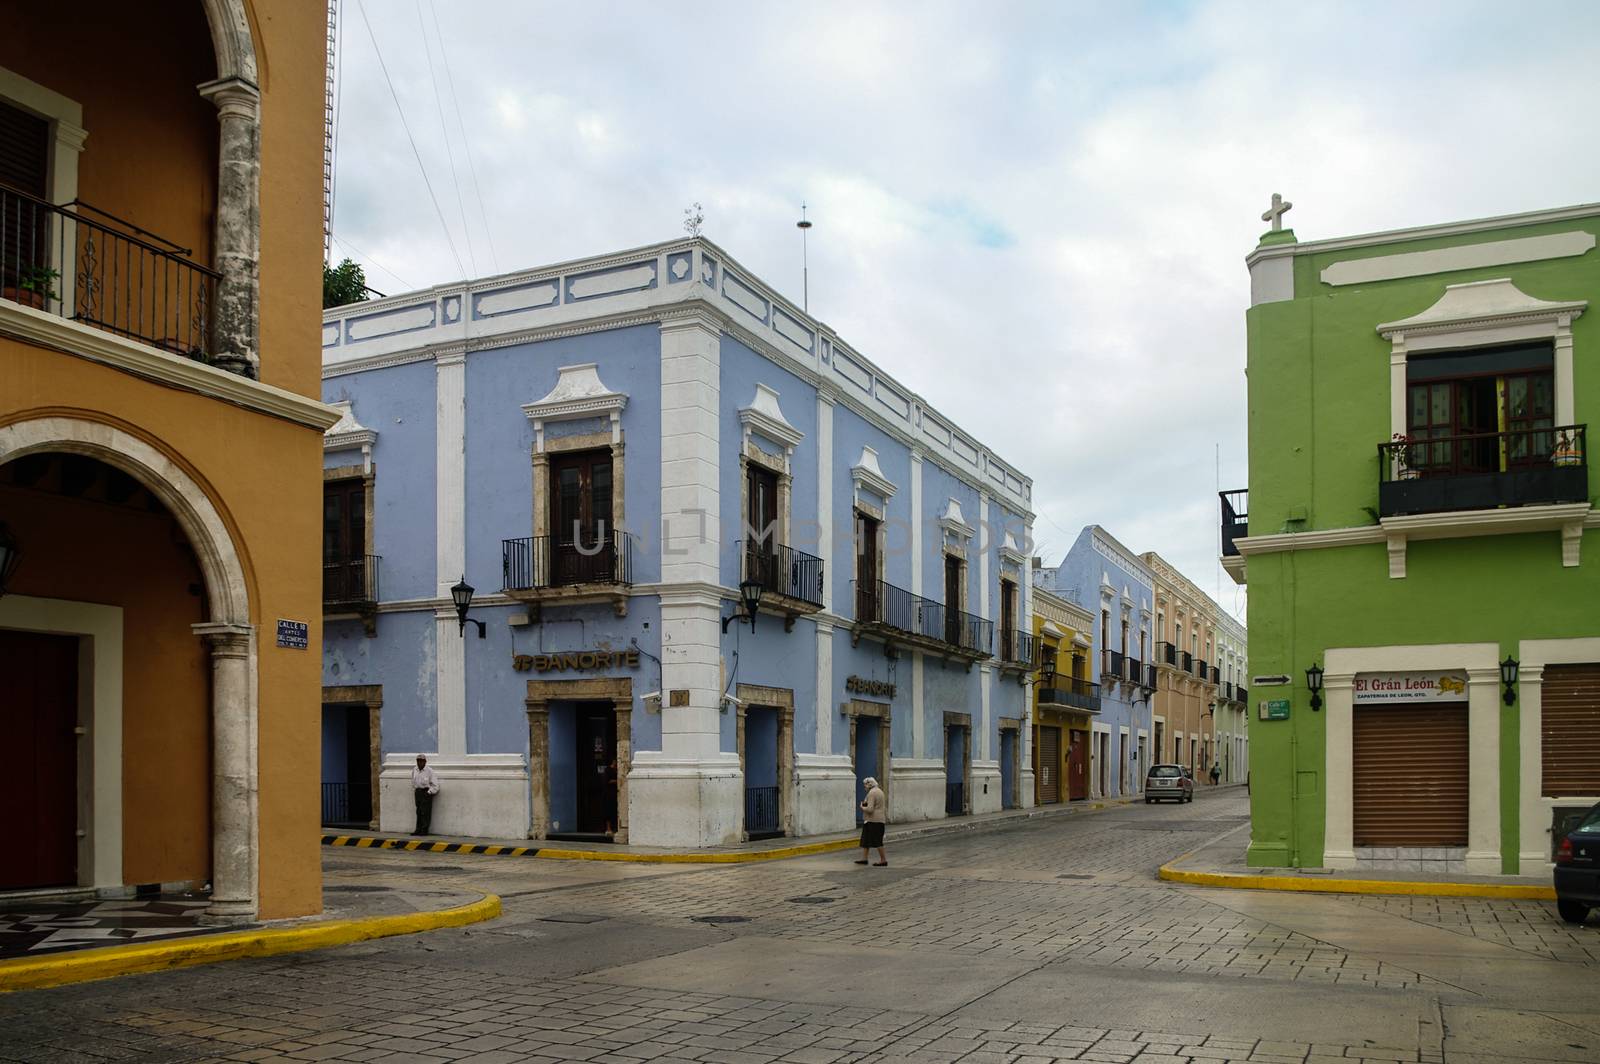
[1403, 469]
[35, 287]
[1566, 451]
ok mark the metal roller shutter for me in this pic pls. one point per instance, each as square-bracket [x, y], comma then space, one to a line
[1570, 732]
[1049, 765]
[1410, 775]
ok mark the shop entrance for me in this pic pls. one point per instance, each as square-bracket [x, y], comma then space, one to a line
[1008, 773]
[595, 769]
[1047, 770]
[1078, 767]
[346, 766]
[869, 736]
[39, 787]
[761, 800]
[1410, 775]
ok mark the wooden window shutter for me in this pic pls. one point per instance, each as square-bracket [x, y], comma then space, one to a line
[24, 151]
[1570, 730]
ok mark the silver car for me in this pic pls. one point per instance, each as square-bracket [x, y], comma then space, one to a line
[1168, 782]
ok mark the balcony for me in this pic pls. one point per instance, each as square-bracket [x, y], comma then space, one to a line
[1483, 471]
[350, 588]
[1166, 654]
[1200, 668]
[1069, 692]
[1235, 521]
[791, 580]
[1111, 666]
[896, 615]
[1185, 661]
[539, 570]
[1149, 681]
[1241, 694]
[81, 264]
[1020, 650]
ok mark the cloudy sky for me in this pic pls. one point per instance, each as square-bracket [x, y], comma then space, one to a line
[1034, 214]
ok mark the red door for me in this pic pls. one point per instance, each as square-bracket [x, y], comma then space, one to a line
[39, 786]
[1078, 766]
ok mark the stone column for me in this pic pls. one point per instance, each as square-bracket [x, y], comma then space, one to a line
[233, 776]
[539, 767]
[237, 249]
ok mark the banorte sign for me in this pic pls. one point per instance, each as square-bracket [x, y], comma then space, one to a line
[576, 660]
[1376, 687]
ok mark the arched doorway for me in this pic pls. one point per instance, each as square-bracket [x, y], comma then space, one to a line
[127, 559]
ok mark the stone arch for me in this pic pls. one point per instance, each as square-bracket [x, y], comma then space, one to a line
[226, 588]
[228, 634]
[231, 39]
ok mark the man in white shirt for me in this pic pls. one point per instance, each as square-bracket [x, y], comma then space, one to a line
[424, 785]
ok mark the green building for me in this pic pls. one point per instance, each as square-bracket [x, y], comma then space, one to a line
[1418, 528]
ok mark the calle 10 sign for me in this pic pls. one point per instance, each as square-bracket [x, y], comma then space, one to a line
[1446, 686]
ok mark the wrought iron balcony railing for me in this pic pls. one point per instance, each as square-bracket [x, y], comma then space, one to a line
[1149, 677]
[882, 603]
[1483, 471]
[1185, 661]
[1199, 667]
[351, 584]
[79, 263]
[540, 562]
[783, 570]
[1070, 691]
[1111, 665]
[1166, 654]
[1021, 648]
[1235, 521]
[1241, 693]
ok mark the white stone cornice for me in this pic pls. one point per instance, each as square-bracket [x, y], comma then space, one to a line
[867, 474]
[1425, 232]
[954, 523]
[763, 415]
[1010, 552]
[46, 330]
[1483, 304]
[578, 393]
[233, 98]
[347, 434]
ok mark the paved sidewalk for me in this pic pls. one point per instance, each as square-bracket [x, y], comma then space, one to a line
[761, 850]
[1221, 863]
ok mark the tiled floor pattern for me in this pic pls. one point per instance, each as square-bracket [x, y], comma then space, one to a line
[42, 929]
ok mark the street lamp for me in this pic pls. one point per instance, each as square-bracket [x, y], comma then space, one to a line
[1314, 683]
[10, 555]
[461, 595]
[1508, 676]
[750, 598]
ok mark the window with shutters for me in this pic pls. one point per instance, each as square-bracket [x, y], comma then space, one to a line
[24, 169]
[1569, 731]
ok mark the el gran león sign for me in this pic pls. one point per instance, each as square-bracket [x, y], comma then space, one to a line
[1374, 687]
[576, 660]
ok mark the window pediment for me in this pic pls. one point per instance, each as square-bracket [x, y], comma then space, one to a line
[764, 416]
[867, 474]
[347, 434]
[578, 393]
[1480, 305]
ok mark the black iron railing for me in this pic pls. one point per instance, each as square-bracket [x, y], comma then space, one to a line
[1185, 661]
[1150, 677]
[1133, 670]
[351, 584]
[1227, 691]
[878, 602]
[761, 811]
[1111, 667]
[1235, 521]
[79, 263]
[1241, 693]
[953, 803]
[1199, 667]
[783, 570]
[1021, 648]
[1213, 674]
[538, 562]
[346, 803]
[1166, 654]
[1070, 691]
[1483, 471]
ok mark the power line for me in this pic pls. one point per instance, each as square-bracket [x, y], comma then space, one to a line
[404, 283]
[407, 127]
[466, 142]
[438, 102]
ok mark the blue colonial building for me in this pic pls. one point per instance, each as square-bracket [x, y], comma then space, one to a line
[1117, 588]
[622, 456]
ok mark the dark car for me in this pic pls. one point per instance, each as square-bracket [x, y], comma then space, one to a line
[1578, 869]
[1166, 782]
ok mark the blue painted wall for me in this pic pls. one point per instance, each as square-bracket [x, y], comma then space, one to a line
[400, 658]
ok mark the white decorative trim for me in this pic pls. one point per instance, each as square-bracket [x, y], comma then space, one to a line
[763, 415]
[67, 134]
[578, 393]
[1566, 518]
[866, 474]
[348, 434]
[99, 711]
[1478, 303]
[1010, 552]
[140, 360]
[1534, 808]
[1322, 538]
[954, 523]
[1460, 257]
[1426, 232]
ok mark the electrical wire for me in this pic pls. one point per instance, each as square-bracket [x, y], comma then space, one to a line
[341, 240]
[384, 67]
[444, 130]
[466, 142]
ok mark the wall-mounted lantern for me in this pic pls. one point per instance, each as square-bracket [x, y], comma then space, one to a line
[461, 595]
[1314, 684]
[750, 598]
[1508, 676]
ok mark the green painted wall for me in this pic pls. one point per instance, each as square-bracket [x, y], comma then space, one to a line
[1319, 407]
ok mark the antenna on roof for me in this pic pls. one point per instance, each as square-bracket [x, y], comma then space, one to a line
[805, 265]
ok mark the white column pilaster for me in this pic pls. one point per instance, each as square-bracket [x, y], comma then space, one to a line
[825, 541]
[450, 551]
[919, 724]
[1483, 768]
[985, 670]
[234, 785]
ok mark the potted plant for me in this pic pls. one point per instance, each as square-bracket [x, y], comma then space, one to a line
[1566, 451]
[35, 287]
[1402, 458]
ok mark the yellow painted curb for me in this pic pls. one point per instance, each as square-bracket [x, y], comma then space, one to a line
[1319, 885]
[82, 966]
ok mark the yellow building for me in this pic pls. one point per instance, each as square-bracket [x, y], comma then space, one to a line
[1065, 701]
[161, 449]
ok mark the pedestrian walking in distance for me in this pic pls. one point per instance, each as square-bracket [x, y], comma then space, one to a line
[1216, 775]
[873, 819]
[424, 785]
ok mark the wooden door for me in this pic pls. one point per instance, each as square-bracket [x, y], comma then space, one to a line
[952, 601]
[39, 784]
[596, 765]
[1078, 766]
[580, 518]
[761, 531]
[868, 604]
[1049, 769]
[1410, 775]
[344, 540]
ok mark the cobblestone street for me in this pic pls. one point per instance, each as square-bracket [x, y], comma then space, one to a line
[1048, 940]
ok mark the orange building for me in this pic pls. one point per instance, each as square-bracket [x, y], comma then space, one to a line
[160, 449]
